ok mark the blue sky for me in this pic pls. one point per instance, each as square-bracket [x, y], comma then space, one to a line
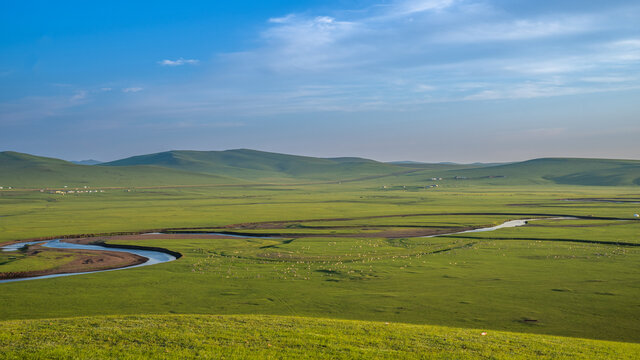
[424, 80]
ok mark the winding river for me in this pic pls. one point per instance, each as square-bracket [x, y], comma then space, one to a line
[153, 257]
[157, 257]
[506, 224]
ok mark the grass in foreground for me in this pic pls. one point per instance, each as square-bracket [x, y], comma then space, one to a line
[272, 337]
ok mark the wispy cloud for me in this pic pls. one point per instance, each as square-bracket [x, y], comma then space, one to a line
[424, 88]
[31, 109]
[408, 7]
[399, 55]
[303, 43]
[625, 50]
[178, 62]
[521, 29]
[403, 54]
[531, 90]
[79, 95]
[609, 79]
[132, 89]
[283, 19]
[417, 51]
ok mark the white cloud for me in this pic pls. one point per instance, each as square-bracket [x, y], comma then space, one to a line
[608, 79]
[324, 20]
[403, 54]
[79, 95]
[389, 38]
[307, 32]
[282, 20]
[520, 29]
[424, 88]
[178, 62]
[625, 50]
[132, 89]
[532, 90]
[551, 66]
[409, 7]
[302, 43]
[597, 57]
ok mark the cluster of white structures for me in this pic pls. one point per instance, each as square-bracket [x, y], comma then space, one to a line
[63, 192]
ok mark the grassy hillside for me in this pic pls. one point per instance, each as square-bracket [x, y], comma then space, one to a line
[23, 171]
[441, 166]
[251, 164]
[572, 171]
[215, 167]
[276, 337]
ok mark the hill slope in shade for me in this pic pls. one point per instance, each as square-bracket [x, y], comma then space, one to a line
[87, 162]
[23, 170]
[259, 165]
[571, 171]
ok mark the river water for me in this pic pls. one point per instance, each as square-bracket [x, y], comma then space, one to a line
[507, 224]
[157, 257]
[153, 257]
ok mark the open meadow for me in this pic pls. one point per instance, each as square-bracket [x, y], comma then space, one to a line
[357, 250]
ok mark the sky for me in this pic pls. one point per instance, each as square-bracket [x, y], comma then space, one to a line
[422, 80]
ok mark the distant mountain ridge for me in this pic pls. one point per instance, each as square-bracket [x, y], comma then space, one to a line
[571, 171]
[24, 170]
[87, 162]
[244, 166]
[254, 165]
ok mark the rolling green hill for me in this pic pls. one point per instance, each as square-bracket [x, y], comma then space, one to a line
[278, 337]
[22, 171]
[259, 165]
[571, 171]
[239, 166]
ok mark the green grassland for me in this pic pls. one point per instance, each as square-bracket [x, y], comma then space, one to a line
[27, 171]
[546, 272]
[573, 278]
[274, 337]
[524, 286]
[17, 261]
